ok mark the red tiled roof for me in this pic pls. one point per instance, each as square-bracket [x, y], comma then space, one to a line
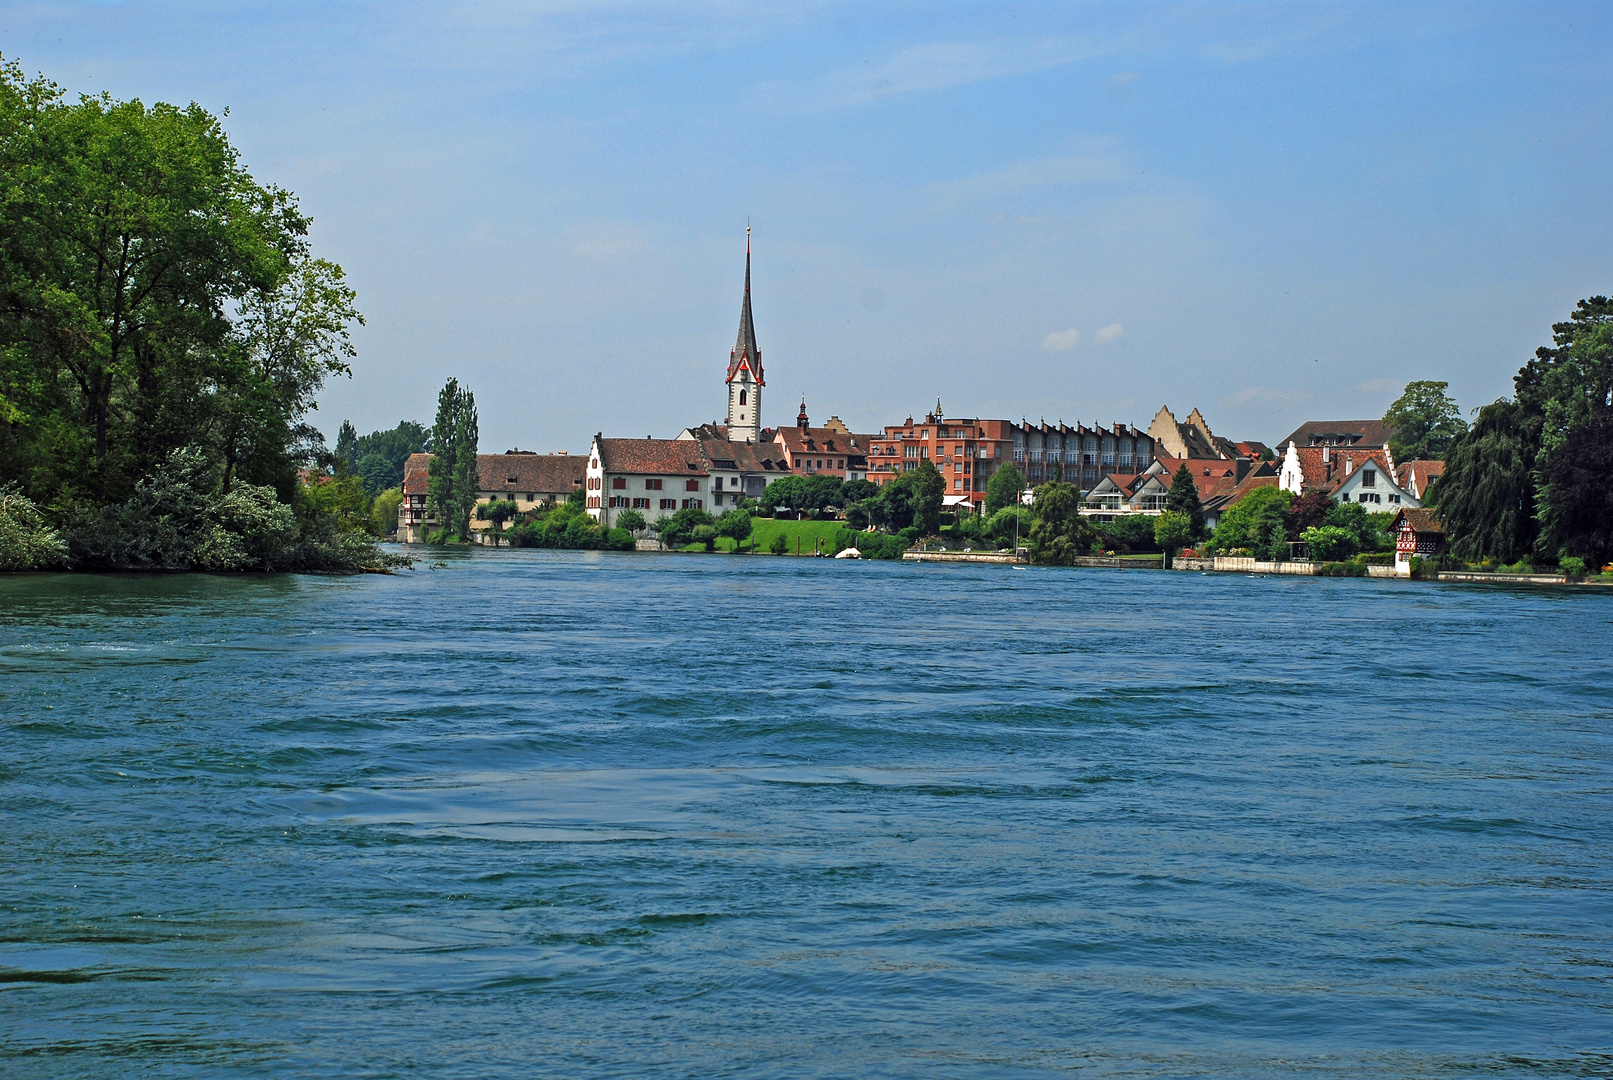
[821, 441]
[1423, 519]
[654, 457]
[1415, 476]
[536, 474]
[1327, 475]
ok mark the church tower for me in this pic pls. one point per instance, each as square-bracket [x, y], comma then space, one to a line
[745, 372]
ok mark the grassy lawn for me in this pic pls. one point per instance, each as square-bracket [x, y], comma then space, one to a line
[803, 532]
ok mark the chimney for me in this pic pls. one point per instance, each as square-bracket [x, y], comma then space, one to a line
[1327, 454]
[1240, 469]
[1348, 465]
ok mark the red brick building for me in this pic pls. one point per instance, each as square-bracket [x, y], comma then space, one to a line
[965, 451]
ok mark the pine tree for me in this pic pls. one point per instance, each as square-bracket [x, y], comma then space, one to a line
[1184, 499]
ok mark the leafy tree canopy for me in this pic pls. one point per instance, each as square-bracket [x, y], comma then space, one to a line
[1183, 498]
[1424, 421]
[1059, 534]
[1004, 488]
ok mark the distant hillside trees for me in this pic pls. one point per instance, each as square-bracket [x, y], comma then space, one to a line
[378, 458]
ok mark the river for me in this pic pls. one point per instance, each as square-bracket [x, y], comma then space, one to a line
[598, 815]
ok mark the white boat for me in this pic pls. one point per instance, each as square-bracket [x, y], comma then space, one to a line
[849, 553]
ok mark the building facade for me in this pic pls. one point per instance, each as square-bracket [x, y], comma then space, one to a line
[831, 450]
[531, 481]
[965, 451]
[1346, 473]
[1079, 454]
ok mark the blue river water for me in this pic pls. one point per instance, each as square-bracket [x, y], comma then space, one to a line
[598, 815]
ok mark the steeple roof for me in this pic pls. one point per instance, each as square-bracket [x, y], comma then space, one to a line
[745, 352]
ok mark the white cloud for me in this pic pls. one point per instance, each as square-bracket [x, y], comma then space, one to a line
[1062, 340]
[1108, 333]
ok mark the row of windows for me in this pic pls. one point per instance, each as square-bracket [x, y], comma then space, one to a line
[833, 463]
[619, 483]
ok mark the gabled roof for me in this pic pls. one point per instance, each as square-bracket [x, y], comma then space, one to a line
[652, 457]
[1423, 519]
[1340, 433]
[1415, 476]
[821, 441]
[535, 474]
[1325, 469]
[722, 455]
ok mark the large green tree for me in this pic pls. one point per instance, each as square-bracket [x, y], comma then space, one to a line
[1424, 421]
[451, 489]
[929, 487]
[1059, 534]
[1528, 477]
[153, 295]
[1004, 488]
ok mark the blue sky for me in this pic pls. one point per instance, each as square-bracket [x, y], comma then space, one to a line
[1075, 211]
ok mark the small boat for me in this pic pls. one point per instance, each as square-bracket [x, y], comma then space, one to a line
[849, 553]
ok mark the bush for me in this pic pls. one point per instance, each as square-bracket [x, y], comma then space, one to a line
[871, 545]
[1133, 534]
[1342, 569]
[1573, 566]
[779, 545]
[176, 521]
[1422, 568]
[1330, 543]
[27, 542]
[619, 539]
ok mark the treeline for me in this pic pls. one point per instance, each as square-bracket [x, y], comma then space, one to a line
[1533, 477]
[164, 329]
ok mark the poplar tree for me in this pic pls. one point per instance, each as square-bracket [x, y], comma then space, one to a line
[451, 492]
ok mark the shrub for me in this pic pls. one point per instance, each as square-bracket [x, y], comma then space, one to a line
[1573, 566]
[619, 539]
[779, 545]
[1342, 569]
[1330, 543]
[871, 545]
[27, 542]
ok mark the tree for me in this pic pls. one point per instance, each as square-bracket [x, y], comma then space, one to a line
[1308, 511]
[451, 491]
[1486, 497]
[1257, 522]
[498, 511]
[631, 520]
[1059, 534]
[736, 525]
[928, 489]
[1004, 488]
[857, 490]
[1330, 543]
[705, 534]
[678, 530]
[384, 512]
[1131, 533]
[1423, 422]
[375, 473]
[778, 545]
[1526, 478]
[390, 447]
[786, 491]
[1183, 498]
[1173, 530]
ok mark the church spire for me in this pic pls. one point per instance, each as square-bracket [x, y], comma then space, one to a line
[745, 347]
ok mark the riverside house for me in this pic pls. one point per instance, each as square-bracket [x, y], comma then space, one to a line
[532, 481]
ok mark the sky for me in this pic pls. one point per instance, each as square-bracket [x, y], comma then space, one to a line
[1078, 212]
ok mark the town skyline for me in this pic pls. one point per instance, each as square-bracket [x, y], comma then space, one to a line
[1070, 214]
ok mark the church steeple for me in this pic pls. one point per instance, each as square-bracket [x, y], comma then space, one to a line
[745, 370]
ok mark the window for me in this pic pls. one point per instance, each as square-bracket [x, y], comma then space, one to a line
[742, 397]
[618, 483]
[653, 484]
[1369, 478]
[617, 501]
[1394, 498]
[691, 504]
[641, 504]
[840, 463]
[669, 504]
[717, 483]
[957, 485]
[691, 485]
